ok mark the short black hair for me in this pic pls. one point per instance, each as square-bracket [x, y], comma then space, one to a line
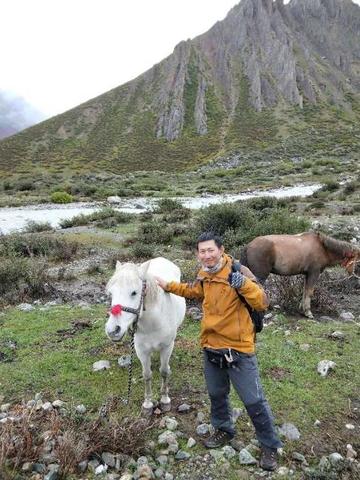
[206, 236]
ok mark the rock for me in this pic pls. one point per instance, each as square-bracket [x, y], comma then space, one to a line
[347, 316]
[337, 335]
[145, 472]
[191, 442]
[200, 417]
[126, 476]
[350, 452]
[317, 423]
[124, 361]
[25, 307]
[325, 319]
[195, 313]
[109, 459]
[82, 466]
[80, 409]
[217, 455]
[350, 426]
[184, 408]
[324, 366]
[182, 455]
[299, 458]
[92, 465]
[113, 476]
[169, 476]
[245, 458]
[159, 472]
[142, 461]
[58, 404]
[228, 452]
[236, 413]
[171, 423]
[101, 365]
[100, 469]
[53, 475]
[202, 429]
[114, 200]
[167, 438]
[47, 406]
[39, 468]
[335, 459]
[289, 431]
[27, 467]
[162, 460]
[5, 407]
[283, 472]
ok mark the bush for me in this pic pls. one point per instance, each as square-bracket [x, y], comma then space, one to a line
[36, 227]
[155, 232]
[238, 223]
[167, 205]
[106, 217]
[36, 245]
[61, 197]
[142, 250]
[22, 278]
[177, 215]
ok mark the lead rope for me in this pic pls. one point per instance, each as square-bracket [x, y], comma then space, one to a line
[132, 344]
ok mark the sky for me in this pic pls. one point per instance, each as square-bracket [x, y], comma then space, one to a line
[57, 54]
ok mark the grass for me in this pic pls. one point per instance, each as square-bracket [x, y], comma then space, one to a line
[52, 355]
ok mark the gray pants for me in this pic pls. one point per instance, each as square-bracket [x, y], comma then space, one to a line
[244, 375]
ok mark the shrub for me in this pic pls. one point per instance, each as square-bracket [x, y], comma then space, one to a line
[142, 250]
[36, 245]
[36, 227]
[61, 197]
[155, 232]
[167, 205]
[177, 215]
[225, 216]
[330, 186]
[23, 278]
[106, 217]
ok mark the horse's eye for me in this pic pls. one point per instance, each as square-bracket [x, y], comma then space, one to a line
[133, 293]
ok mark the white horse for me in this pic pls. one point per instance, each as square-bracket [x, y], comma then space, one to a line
[135, 294]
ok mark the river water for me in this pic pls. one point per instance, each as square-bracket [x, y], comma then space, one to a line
[16, 218]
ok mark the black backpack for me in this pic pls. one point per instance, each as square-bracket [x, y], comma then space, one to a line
[256, 317]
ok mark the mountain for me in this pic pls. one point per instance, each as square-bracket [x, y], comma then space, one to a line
[16, 114]
[270, 78]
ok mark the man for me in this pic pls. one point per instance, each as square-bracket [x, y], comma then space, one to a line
[228, 340]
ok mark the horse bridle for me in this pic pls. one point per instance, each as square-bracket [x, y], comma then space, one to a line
[117, 309]
[135, 311]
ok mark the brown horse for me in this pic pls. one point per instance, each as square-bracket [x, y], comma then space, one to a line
[306, 253]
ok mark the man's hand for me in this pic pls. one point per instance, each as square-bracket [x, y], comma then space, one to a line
[161, 283]
[236, 279]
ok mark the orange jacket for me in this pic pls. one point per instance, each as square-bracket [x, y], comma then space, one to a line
[226, 321]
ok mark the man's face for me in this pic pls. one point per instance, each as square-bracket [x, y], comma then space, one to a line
[209, 253]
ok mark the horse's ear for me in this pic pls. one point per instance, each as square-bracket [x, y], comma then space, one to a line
[143, 269]
[118, 264]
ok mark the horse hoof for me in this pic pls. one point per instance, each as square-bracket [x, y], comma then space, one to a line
[146, 411]
[165, 407]
[309, 315]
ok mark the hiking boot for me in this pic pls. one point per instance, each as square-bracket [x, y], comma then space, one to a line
[218, 439]
[268, 459]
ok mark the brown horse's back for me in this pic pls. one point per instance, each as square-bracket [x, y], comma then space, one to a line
[285, 254]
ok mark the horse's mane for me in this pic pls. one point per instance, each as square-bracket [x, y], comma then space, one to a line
[130, 273]
[339, 247]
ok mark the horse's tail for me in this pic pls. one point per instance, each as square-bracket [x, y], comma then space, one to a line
[243, 256]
